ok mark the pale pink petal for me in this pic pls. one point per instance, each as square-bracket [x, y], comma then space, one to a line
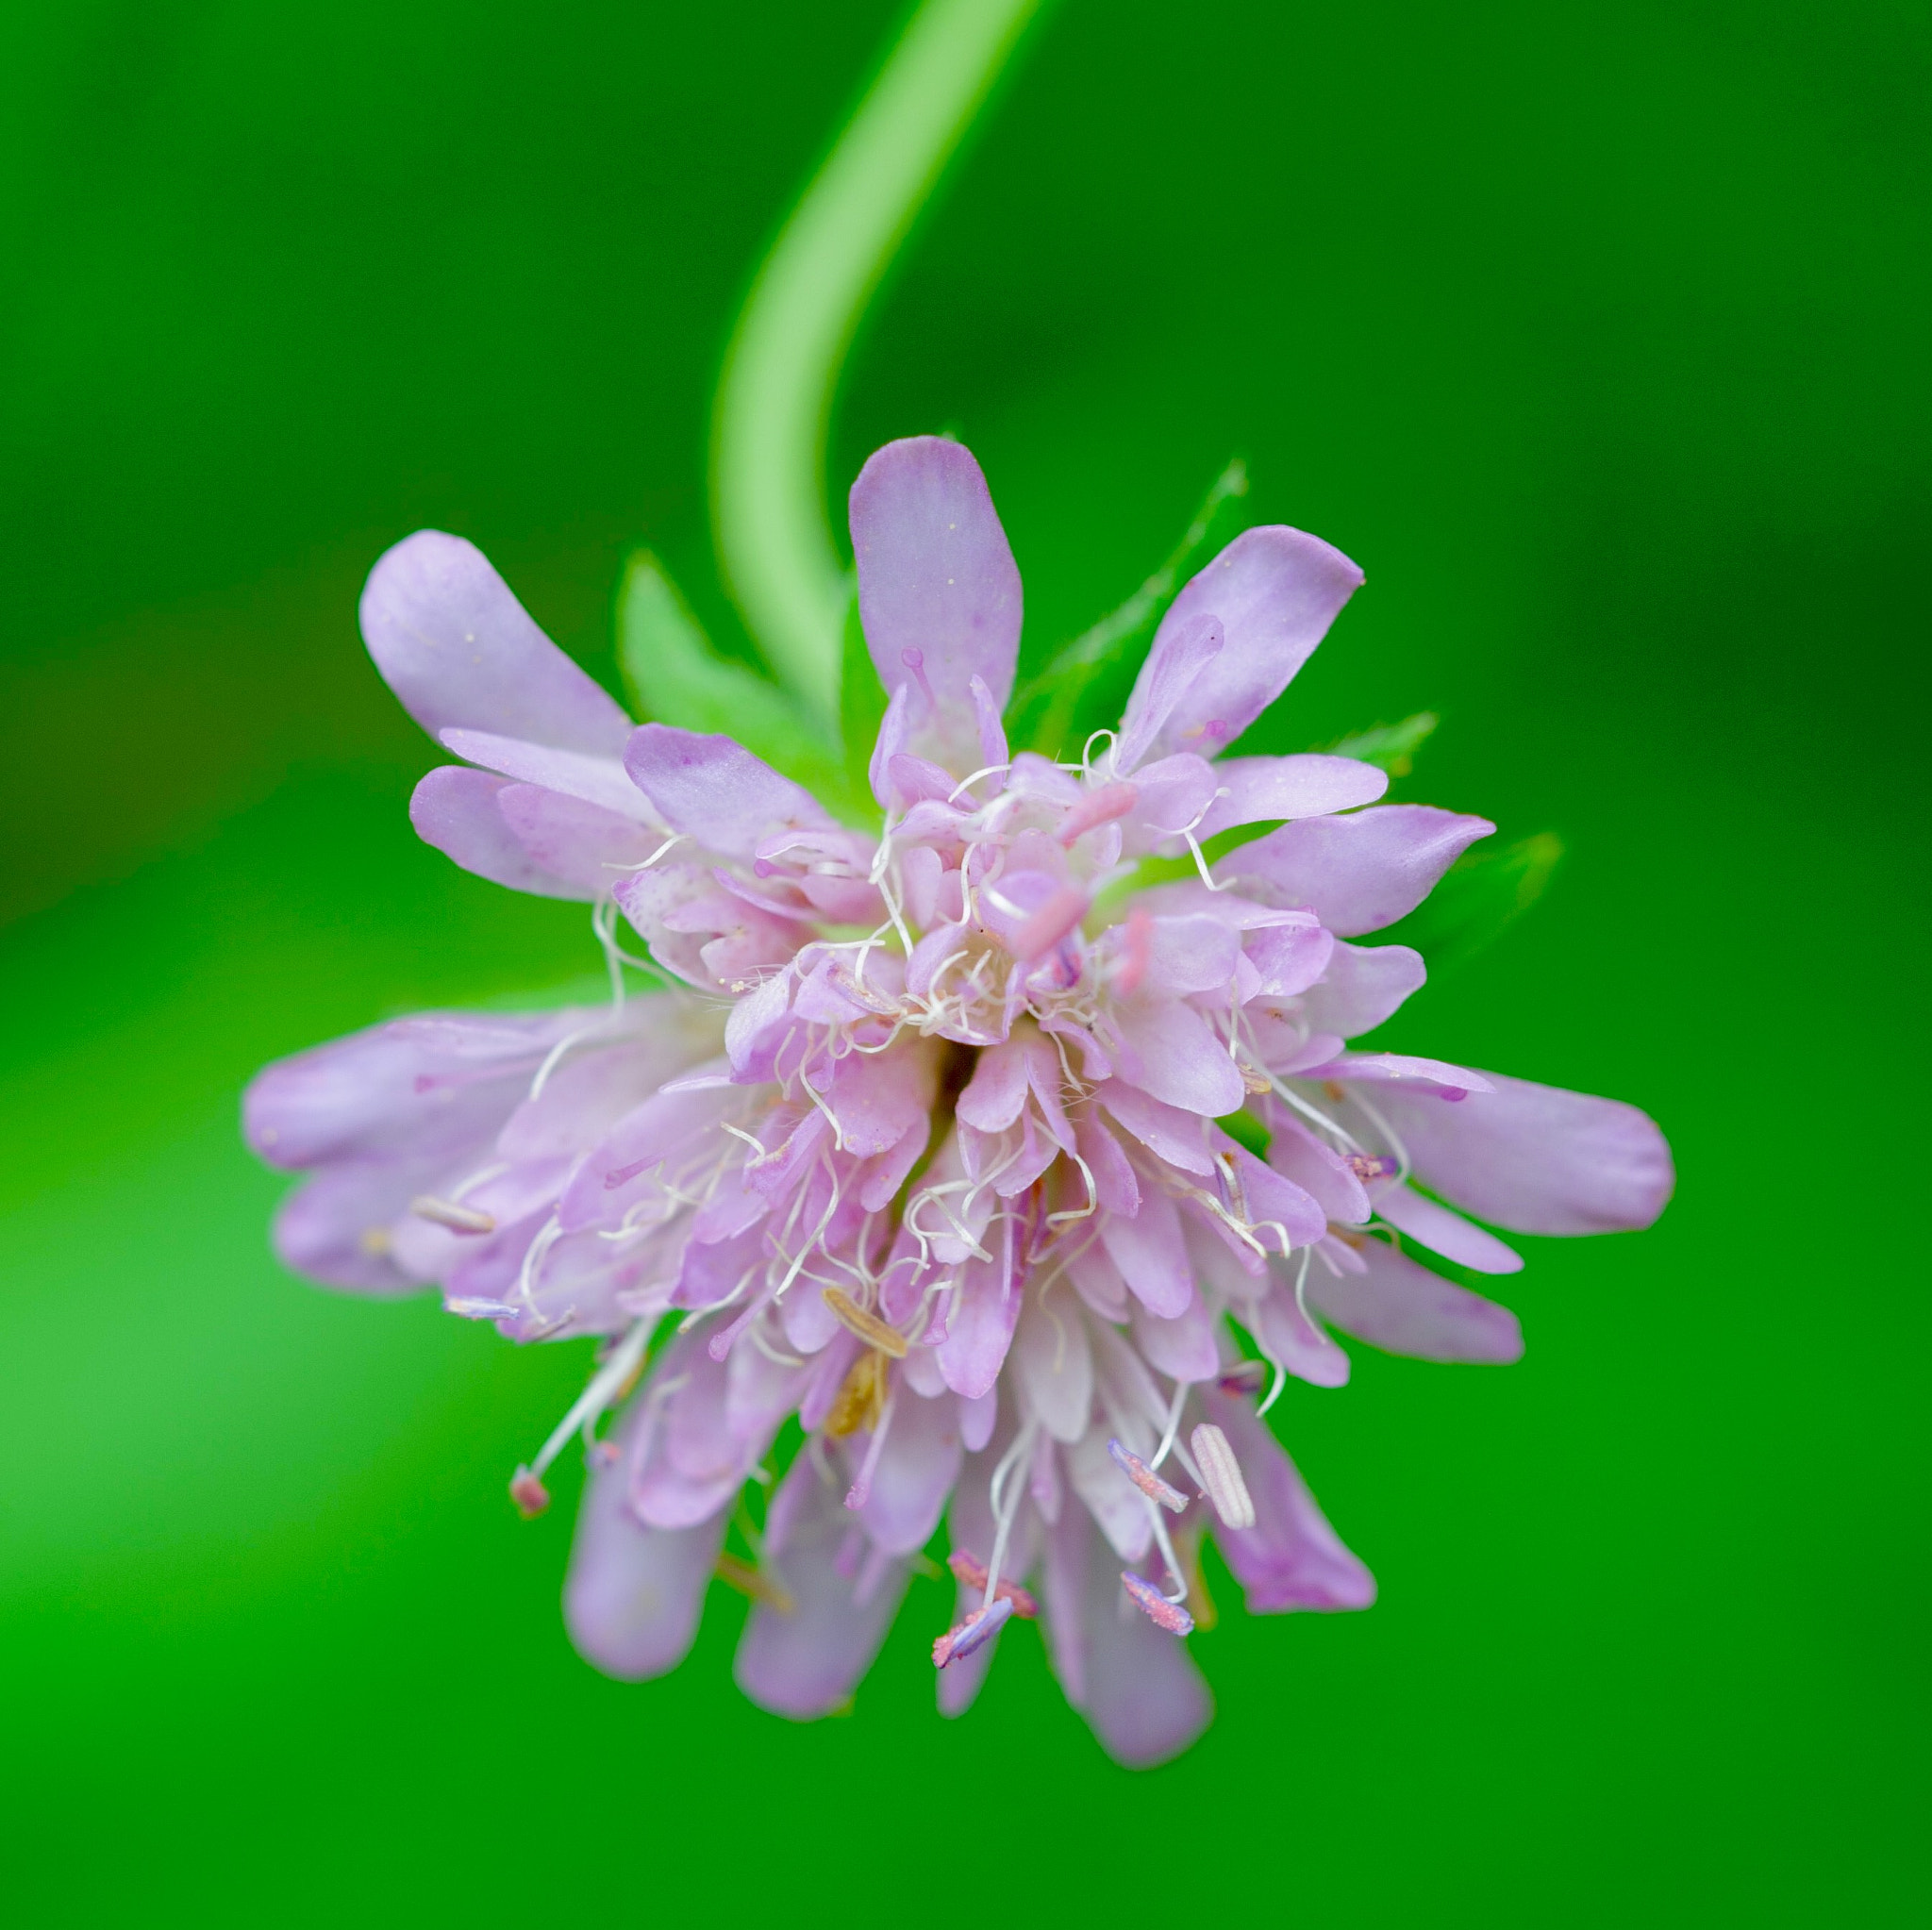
[935, 576]
[1290, 1559]
[1170, 1051]
[634, 1594]
[714, 791]
[1403, 1309]
[981, 1328]
[1443, 1232]
[455, 808]
[1537, 1158]
[1359, 872]
[914, 1474]
[1136, 1685]
[1181, 652]
[805, 1661]
[1183, 1348]
[1056, 1367]
[595, 779]
[1152, 1253]
[1305, 786]
[461, 652]
[579, 843]
[1275, 591]
[1361, 986]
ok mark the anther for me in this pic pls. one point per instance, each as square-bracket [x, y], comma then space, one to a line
[974, 1575]
[1244, 1379]
[450, 1213]
[1221, 1475]
[1145, 1479]
[1368, 1165]
[868, 1327]
[755, 1583]
[974, 1632]
[529, 1494]
[1156, 1607]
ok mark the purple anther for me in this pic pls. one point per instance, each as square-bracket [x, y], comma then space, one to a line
[973, 1574]
[1145, 1479]
[974, 1632]
[914, 660]
[1368, 1165]
[1244, 1379]
[1156, 1607]
[529, 1494]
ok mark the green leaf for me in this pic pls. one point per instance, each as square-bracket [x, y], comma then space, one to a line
[1053, 710]
[1390, 745]
[1481, 895]
[1244, 1129]
[674, 676]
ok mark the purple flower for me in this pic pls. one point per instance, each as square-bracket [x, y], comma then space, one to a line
[928, 1148]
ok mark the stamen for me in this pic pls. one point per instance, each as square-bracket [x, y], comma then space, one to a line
[452, 1214]
[868, 1327]
[1368, 1165]
[1156, 1607]
[861, 1397]
[1145, 1479]
[755, 1582]
[973, 1574]
[529, 1494]
[1221, 1475]
[974, 1632]
[1244, 1379]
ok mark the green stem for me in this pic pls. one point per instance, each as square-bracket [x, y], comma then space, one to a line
[774, 399]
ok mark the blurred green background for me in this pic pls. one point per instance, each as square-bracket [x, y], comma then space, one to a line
[1596, 335]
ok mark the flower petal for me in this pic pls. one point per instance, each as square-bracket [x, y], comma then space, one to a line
[596, 781]
[1136, 1685]
[714, 791]
[1362, 986]
[574, 843]
[805, 1661]
[1404, 1309]
[1056, 1368]
[427, 1087]
[1537, 1158]
[634, 1594]
[915, 1473]
[936, 577]
[455, 808]
[1170, 1051]
[461, 653]
[1275, 591]
[1360, 871]
[1290, 1559]
[1180, 653]
[1307, 786]
[1446, 1233]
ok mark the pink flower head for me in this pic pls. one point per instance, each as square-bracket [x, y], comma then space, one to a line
[927, 1148]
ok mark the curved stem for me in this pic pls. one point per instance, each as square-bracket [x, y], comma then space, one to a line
[774, 399]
